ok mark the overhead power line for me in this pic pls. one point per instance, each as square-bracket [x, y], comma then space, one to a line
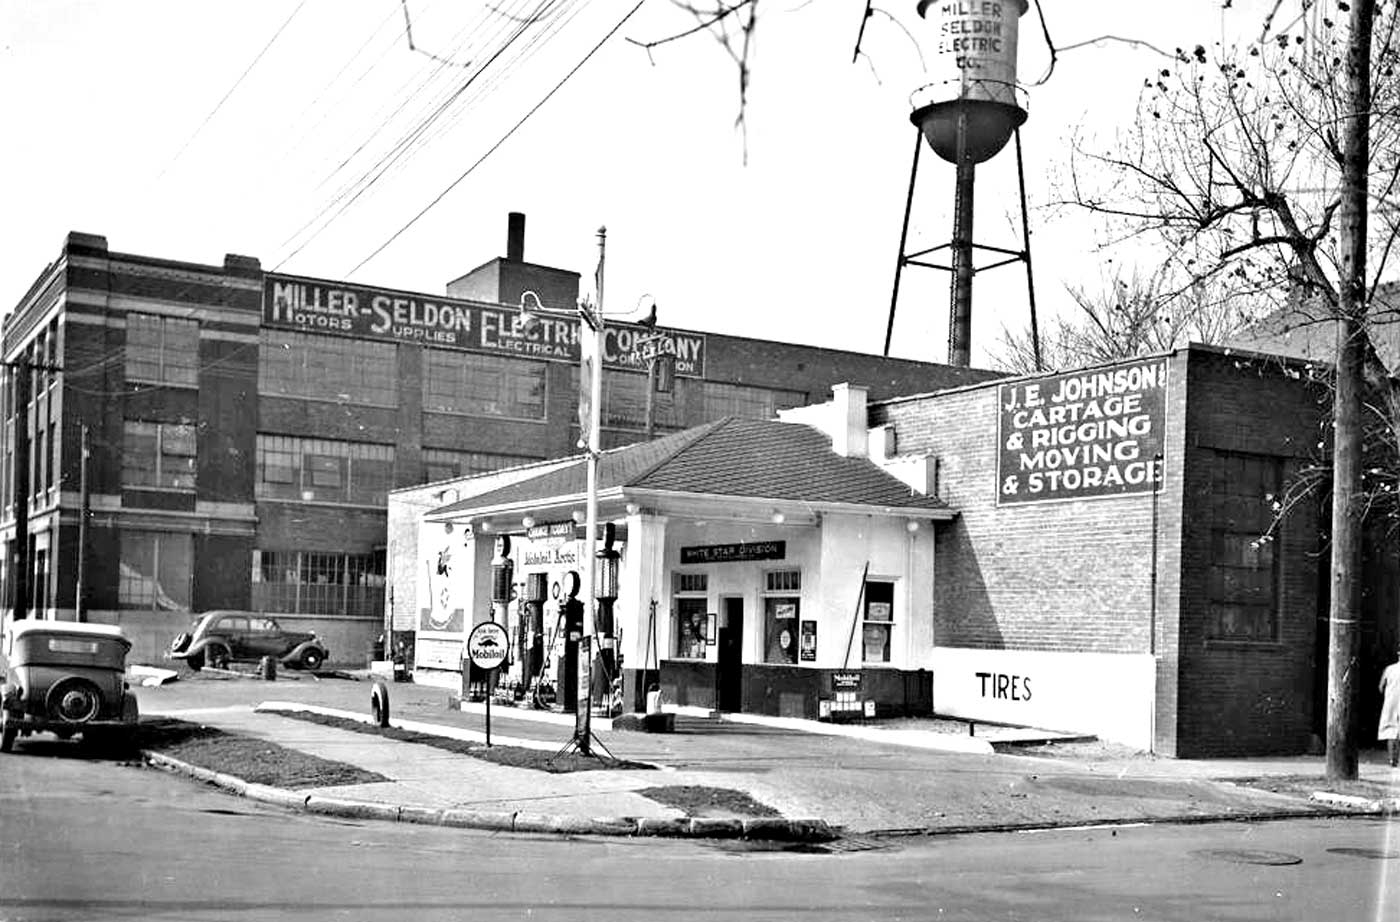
[236, 84]
[507, 136]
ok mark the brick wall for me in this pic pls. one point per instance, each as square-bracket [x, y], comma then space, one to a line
[1067, 576]
[1078, 576]
[1249, 698]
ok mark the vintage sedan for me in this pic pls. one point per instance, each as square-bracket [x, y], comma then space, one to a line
[65, 678]
[221, 637]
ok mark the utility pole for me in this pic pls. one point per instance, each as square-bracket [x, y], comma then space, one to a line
[1344, 634]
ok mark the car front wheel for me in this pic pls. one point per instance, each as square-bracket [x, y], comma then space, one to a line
[312, 659]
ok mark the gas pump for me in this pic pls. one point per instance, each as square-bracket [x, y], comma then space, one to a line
[605, 577]
[532, 635]
[572, 610]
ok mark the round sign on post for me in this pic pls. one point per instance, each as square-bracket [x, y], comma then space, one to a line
[487, 645]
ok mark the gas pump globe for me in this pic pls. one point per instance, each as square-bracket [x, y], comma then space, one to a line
[502, 574]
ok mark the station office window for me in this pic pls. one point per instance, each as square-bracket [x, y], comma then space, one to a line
[159, 455]
[878, 624]
[691, 614]
[162, 350]
[781, 606]
[1244, 575]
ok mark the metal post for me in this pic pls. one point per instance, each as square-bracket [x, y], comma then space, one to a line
[651, 397]
[960, 312]
[903, 238]
[1026, 255]
[593, 446]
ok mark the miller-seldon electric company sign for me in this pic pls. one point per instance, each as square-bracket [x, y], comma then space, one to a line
[314, 306]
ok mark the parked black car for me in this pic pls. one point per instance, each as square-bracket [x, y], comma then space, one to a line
[65, 678]
[220, 637]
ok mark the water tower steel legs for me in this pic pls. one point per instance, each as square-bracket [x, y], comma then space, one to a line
[960, 306]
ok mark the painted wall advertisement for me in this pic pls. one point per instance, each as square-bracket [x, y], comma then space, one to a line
[314, 306]
[1110, 695]
[1082, 435]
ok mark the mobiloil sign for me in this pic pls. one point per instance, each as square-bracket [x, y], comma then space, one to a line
[315, 306]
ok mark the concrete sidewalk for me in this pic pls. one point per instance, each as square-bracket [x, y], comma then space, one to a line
[822, 778]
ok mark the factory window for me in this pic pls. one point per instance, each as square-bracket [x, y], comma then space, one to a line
[444, 464]
[878, 622]
[747, 402]
[162, 350]
[625, 402]
[482, 385]
[1244, 571]
[318, 583]
[333, 368]
[160, 455]
[155, 570]
[323, 470]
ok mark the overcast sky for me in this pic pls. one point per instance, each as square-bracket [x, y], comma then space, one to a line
[188, 130]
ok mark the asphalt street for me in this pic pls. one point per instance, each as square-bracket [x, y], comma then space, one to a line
[90, 840]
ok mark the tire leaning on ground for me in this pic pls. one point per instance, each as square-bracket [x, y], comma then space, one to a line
[216, 655]
[379, 703]
[267, 668]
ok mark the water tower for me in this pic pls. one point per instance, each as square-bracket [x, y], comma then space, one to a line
[968, 110]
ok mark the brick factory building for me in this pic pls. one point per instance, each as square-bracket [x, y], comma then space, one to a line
[244, 428]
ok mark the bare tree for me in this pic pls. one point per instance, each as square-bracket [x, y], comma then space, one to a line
[1263, 163]
[1127, 317]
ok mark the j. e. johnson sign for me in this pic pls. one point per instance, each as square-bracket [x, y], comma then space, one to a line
[1082, 435]
[315, 306]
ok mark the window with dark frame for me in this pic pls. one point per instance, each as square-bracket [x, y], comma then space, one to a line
[1243, 579]
[158, 455]
[332, 368]
[155, 571]
[323, 470]
[446, 464]
[162, 350]
[318, 582]
[483, 385]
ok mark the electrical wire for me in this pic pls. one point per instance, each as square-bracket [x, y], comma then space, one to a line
[514, 128]
[231, 90]
[368, 179]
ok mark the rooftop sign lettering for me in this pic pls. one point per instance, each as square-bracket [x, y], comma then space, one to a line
[1082, 435]
[315, 306]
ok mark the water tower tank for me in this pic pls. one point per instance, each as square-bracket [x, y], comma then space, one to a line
[973, 73]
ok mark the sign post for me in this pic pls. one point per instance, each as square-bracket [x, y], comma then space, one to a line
[487, 645]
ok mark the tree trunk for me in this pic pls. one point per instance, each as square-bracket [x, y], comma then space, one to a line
[1344, 632]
